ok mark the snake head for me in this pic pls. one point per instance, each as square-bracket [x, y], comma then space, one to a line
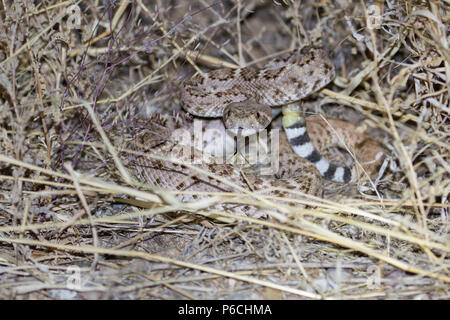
[247, 117]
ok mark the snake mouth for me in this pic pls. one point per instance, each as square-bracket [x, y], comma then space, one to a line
[243, 131]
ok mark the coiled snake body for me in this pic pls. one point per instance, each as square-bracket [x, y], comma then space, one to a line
[244, 98]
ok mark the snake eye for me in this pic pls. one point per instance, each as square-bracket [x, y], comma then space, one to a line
[228, 113]
[258, 115]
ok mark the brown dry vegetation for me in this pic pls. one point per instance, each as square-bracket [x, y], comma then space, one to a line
[68, 93]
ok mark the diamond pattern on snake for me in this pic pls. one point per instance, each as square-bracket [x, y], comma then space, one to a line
[241, 101]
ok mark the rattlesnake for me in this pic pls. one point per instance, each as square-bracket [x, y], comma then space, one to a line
[243, 98]
[228, 93]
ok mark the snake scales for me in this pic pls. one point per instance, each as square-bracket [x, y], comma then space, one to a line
[244, 98]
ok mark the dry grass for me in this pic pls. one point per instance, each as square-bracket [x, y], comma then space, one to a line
[67, 94]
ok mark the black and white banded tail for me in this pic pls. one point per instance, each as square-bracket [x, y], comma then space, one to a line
[295, 127]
